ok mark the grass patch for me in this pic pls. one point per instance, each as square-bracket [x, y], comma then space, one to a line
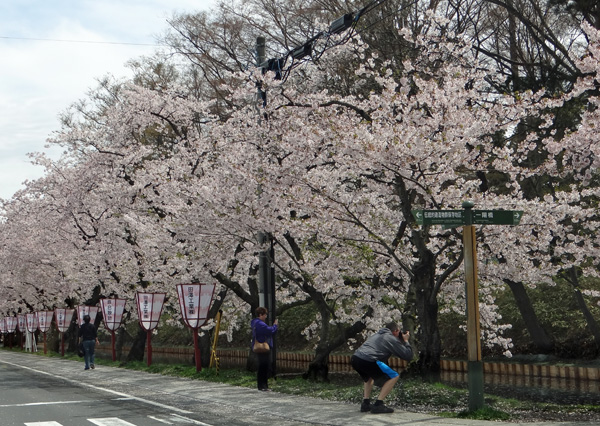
[485, 413]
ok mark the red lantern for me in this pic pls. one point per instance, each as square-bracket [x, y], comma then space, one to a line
[10, 324]
[112, 312]
[63, 321]
[194, 302]
[22, 326]
[44, 320]
[31, 325]
[149, 309]
[83, 310]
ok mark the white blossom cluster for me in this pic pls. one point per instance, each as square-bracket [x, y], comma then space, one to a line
[153, 190]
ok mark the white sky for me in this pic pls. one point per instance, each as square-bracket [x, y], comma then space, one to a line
[40, 79]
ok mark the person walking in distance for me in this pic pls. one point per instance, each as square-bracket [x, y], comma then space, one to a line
[370, 361]
[88, 337]
[261, 332]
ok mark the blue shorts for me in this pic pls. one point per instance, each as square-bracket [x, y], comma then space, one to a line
[378, 371]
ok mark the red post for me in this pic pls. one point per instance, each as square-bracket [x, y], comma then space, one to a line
[194, 302]
[149, 338]
[112, 312]
[149, 309]
[63, 321]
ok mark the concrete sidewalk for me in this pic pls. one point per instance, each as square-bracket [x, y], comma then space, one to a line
[157, 389]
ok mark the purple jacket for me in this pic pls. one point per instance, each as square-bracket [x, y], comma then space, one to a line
[262, 332]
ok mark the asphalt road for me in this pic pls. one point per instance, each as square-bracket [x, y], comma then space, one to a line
[30, 397]
[41, 391]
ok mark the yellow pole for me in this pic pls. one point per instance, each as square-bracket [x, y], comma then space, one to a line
[213, 352]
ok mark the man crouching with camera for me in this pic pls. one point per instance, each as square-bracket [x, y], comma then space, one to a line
[370, 361]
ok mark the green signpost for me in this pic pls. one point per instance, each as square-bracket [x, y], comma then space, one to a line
[497, 217]
[460, 217]
[467, 218]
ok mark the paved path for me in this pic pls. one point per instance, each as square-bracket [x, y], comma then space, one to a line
[198, 395]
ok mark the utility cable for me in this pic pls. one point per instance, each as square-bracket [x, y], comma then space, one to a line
[80, 41]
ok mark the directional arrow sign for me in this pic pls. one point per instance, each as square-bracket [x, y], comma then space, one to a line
[497, 217]
[439, 217]
[451, 218]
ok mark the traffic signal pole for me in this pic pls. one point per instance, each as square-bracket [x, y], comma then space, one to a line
[266, 261]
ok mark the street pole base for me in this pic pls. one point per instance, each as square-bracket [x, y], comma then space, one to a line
[475, 381]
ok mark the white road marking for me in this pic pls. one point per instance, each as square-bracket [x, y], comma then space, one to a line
[171, 419]
[188, 420]
[115, 421]
[43, 424]
[29, 404]
[110, 421]
[121, 394]
[160, 420]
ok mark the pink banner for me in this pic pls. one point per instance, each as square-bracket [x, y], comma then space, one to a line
[63, 318]
[32, 322]
[21, 323]
[194, 302]
[10, 324]
[112, 312]
[83, 310]
[44, 319]
[149, 309]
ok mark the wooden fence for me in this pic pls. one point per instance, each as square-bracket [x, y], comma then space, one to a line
[342, 363]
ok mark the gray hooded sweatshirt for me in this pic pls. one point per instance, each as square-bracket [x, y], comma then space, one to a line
[383, 344]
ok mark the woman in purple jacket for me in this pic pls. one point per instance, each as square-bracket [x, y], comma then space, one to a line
[263, 333]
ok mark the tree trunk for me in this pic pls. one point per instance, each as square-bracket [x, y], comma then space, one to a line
[72, 336]
[541, 340]
[205, 342]
[592, 324]
[428, 336]
[318, 369]
[136, 353]
[120, 341]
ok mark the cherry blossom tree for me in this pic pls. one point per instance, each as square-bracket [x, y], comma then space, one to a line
[155, 189]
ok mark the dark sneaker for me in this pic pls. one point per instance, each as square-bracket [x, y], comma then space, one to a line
[381, 409]
[93, 366]
[365, 407]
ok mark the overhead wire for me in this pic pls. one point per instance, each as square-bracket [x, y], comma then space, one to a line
[80, 41]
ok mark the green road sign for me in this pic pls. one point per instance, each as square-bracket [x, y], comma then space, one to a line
[451, 218]
[497, 217]
[439, 217]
